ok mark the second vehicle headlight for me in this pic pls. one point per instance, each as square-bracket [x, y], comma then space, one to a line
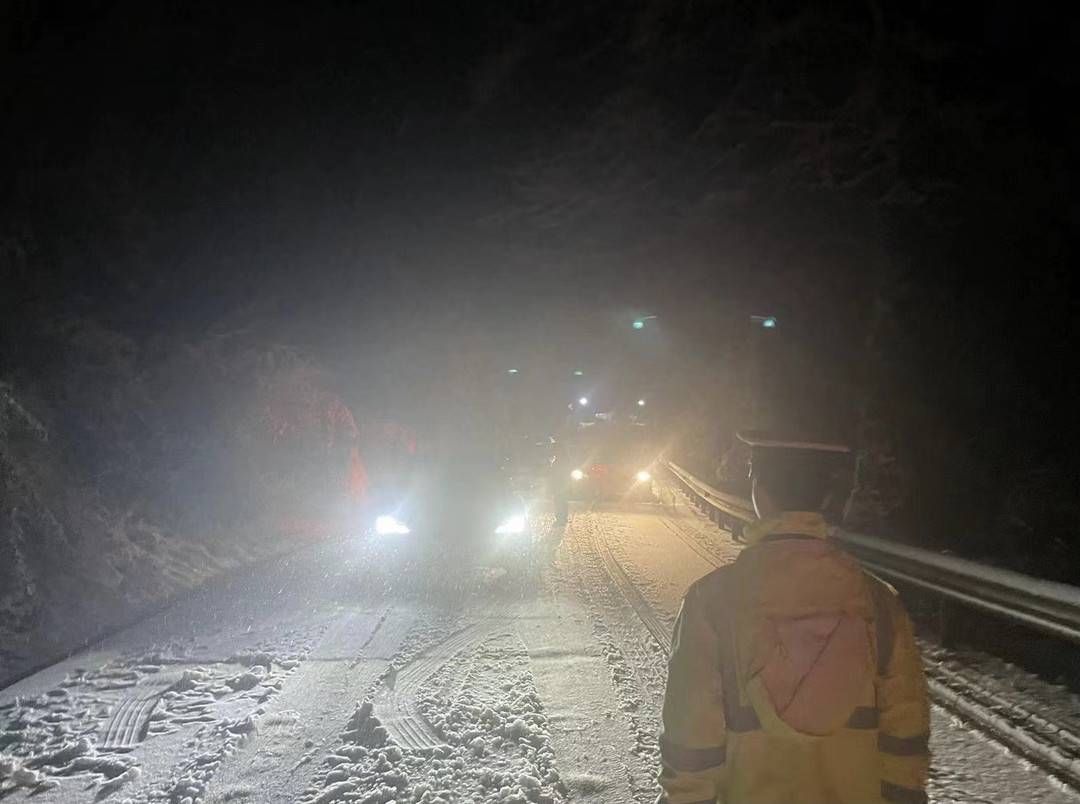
[577, 474]
[515, 524]
[643, 476]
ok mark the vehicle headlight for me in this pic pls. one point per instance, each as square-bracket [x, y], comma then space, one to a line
[577, 474]
[643, 476]
[387, 525]
[515, 524]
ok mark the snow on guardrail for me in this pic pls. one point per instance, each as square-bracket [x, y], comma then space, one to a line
[1046, 606]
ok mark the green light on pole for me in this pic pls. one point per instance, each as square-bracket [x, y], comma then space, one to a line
[769, 323]
[579, 373]
[512, 371]
[639, 324]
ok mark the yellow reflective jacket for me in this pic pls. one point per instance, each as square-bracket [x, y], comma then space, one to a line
[794, 677]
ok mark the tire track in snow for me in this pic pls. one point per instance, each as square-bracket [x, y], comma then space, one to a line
[395, 701]
[130, 721]
[635, 658]
[633, 596]
[707, 556]
[277, 761]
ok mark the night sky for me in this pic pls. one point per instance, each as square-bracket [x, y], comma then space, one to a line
[413, 194]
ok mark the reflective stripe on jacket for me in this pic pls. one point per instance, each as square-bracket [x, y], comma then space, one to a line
[794, 677]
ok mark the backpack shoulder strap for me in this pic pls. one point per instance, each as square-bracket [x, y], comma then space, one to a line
[884, 629]
[723, 594]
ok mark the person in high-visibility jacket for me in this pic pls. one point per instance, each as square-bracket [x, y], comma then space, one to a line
[794, 674]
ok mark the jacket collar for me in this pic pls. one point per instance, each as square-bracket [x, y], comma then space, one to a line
[793, 524]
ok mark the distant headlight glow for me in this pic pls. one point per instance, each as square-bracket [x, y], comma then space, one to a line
[387, 525]
[515, 524]
[643, 476]
[577, 474]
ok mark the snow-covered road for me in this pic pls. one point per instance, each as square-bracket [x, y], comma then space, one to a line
[304, 680]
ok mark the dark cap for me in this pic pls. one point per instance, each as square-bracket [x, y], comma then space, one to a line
[801, 473]
[762, 439]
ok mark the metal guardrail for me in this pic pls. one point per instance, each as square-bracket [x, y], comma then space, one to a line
[1045, 606]
[728, 504]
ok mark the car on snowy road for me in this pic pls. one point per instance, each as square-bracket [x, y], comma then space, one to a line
[526, 461]
[449, 515]
[612, 462]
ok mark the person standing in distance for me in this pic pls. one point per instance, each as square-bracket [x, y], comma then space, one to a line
[558, 482]
[794, 675]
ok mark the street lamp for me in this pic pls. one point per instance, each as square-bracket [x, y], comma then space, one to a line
[639, 323]
[766, 321]
[512, 371]
[579, 373]
[641, 403]
[584, 401]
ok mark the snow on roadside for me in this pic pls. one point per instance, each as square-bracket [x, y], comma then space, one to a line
[1037, 719]
[1050, 710]
[88, 732]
